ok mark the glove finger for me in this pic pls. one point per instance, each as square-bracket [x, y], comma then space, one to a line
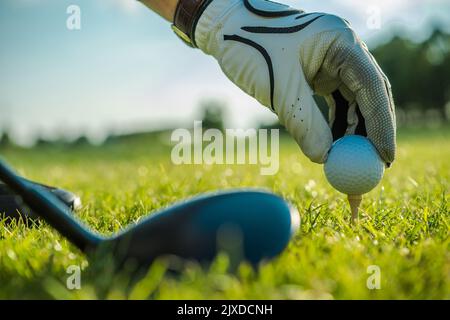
[309, 128]
[358, 72]
[318, 137]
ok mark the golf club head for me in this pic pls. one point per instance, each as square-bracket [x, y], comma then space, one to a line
[249, 225]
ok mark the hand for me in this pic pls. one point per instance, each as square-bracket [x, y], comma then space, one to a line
[282, 56]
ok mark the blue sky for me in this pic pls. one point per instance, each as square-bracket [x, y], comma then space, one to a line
[125, 70]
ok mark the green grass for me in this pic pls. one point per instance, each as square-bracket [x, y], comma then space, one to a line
[404, 227]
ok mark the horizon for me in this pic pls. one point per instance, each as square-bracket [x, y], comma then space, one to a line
[121, 71]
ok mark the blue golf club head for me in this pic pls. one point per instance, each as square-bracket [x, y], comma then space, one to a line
[253, 224]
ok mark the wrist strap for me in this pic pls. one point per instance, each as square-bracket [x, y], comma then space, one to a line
[187, 14]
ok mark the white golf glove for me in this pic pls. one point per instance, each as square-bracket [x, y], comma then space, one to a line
[282, 56]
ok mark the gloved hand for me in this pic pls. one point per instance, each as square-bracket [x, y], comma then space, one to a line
[283, 56]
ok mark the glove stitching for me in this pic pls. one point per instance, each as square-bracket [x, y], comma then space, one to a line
[266, 56]
[305, 15]
[293, 29]
[269, 14]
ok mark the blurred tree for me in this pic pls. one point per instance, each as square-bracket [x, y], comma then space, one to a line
[5, 140]
[213, 114]
[419, 72]
[80, 142]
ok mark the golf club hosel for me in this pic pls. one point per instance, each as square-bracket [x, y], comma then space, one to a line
[46, 205]
[59, 217]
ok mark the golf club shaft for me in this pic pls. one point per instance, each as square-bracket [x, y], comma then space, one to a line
[47, 206]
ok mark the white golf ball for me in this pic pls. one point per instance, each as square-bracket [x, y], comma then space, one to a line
[354, 166]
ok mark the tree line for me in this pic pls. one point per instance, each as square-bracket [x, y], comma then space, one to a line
[419, 73]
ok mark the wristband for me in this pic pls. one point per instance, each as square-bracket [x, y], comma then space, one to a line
[187, 14]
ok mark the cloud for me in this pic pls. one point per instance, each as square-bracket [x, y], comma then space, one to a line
[129, 6]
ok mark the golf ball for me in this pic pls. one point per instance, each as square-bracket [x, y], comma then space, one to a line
[354, 166]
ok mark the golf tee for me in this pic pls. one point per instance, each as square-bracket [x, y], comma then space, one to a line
[355, 202]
